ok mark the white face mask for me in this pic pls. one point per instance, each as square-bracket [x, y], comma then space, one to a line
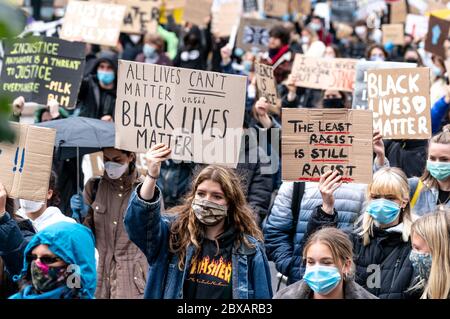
[360, 30]
[135, 38]
[30, 206]
[305, 39]
[115, 170]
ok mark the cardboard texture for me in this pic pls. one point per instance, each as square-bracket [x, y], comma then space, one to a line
[398, 11]
[25, 165]
[226, 17]
[400, 101]
[416, 25]
[301, 6]
[276, 8]
[93, 22]
[254, 33]
[198, 114]
[317, 140]
[43, 68]
[266, 85]
[174, 4]
[322, 73]
[359, 100]
[393, 33]
[437, 33]
[196, 11]
[141, 16]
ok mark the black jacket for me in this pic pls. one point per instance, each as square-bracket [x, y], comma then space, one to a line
[382, 267]
[408, 155]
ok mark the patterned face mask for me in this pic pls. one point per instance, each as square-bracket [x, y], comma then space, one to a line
[45, 278]
[421, 263]
[209, 213]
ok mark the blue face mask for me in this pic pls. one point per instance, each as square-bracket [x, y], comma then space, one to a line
[421, 263]
[436, 70]
[149, 51]
[378, 58]
[322, 279]
[439, 170]
[106, 77]
[239, 52]
[384, 211]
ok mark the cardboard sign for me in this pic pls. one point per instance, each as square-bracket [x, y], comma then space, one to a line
[25, 165]
[416, 25]
[226, 17]
[360, 93]
[315, 141]
[93, 22]
[198, 114]
[254, 33]
[40, 68]
[266, 85]
[276, 8]
[400, 101]
[141, 16]
[436, 36]
[97, 165]
[343, 11]
[322, 73]
[397, 12]
[174, 4]
[301, 6]
[196, 11]
[393, 33]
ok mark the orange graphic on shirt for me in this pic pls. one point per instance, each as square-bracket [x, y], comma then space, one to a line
[220, 269]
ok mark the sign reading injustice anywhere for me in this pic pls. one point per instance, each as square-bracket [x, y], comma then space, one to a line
[315, 141]
[198, 114]
[93, 22]
[265, 82]
[322, 73]
[254, 33]
[400, 100]
[26, 164]
[40, 68]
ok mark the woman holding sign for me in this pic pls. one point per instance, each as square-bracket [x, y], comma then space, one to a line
[381, 243]
[208, 248]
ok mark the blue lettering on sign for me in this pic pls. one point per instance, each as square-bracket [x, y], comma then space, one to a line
[436, 32]
[16, 157]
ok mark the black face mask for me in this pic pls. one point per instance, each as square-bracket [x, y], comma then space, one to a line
[334, 103]
[411, 61]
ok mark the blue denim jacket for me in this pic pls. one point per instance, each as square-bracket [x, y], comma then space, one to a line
[150, 231]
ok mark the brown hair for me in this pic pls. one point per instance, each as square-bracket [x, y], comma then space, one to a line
[187, 230]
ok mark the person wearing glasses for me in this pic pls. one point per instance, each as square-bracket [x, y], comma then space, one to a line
[59, 263]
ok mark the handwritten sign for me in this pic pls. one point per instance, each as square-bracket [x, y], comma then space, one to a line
[416, 25]
[436, 36]
[141, 16]
[276, 8]
[393, 33]
[321, 73]
[266, 85]
[254, 33]
[400, 100]
[315, 141]
[25, 165]
[40, 68]
[196, 11]
[225, 17]
[93, 22]
[198, 114]
[398, 11]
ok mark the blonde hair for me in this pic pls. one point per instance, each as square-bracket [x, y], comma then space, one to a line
[337, 241]
[392, 181]
[187, 230]
[434, 229]
[441, 138]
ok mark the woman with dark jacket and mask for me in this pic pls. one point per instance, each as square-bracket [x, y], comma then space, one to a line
[193, 51]
[381, 243]
[208, 248]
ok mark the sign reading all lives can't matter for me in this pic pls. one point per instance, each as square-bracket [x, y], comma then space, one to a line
[198, 114]
[315, 141]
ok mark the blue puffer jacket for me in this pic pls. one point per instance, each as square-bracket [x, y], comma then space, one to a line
[149, 230]
[286, 251]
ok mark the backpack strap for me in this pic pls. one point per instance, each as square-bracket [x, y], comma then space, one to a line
[416, 194]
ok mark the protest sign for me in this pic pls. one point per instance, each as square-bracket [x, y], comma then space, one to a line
[416, 25]
[276, 8]
[343, 11]
[301, 6]
[323, 73]
[198, 114]
[436, 36]
[254, 33]
[398, 11]
[225, 18]
[141, 17]
[174, 4]
[196, 11]
[393, 33]
[93, 22]
[400, 101]
[360, 92]
[266, 85]
[25, 165]
[317, 140]
[40, 68]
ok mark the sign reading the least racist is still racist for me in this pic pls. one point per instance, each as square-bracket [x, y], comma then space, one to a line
[322, 73]
[400, 101]
[198, 114]
[317, 140]
[40, 68]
